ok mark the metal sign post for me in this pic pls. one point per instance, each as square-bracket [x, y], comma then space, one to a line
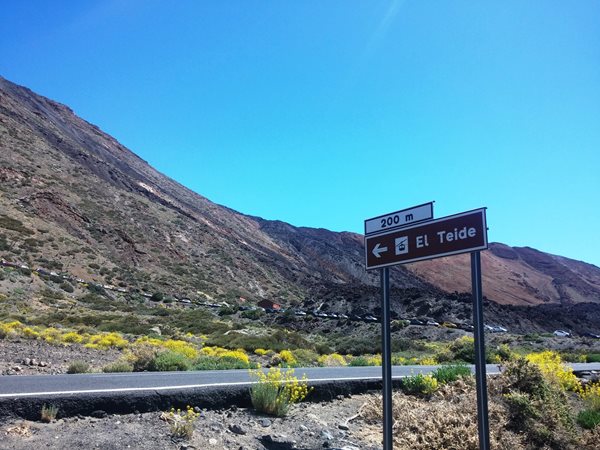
[480, 373]
[386, 359]
[394, 239]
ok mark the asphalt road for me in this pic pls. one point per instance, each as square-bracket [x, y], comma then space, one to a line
[38, 385]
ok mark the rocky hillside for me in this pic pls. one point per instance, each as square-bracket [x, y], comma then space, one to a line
[73, 199]
[518, 276]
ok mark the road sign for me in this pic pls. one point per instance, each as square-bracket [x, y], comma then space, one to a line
[399, 219]
[451, 235]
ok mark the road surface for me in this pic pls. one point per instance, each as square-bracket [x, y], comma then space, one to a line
[38, 385]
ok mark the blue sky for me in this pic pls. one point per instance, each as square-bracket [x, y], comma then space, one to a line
[324, 114]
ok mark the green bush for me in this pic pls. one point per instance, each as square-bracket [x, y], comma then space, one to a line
[157, 297]
[305, 357]
[420, 384]
[588, 418]
[573, 357]
[15, 225]
[277, 341]
[276, 390]
[78, 367]
[227, 310]
[96, 289]
[220, 363]
[397, 325]
[451, 373]
[142, 357]
[67, 287]
[118, 366]
[521, 407]
[463, 349]
[169, 361]
[355, 345]
[538, 408]
[593, 357]
[253, 314]
[360, 361]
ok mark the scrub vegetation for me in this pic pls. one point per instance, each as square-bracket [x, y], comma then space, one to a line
[531, 407]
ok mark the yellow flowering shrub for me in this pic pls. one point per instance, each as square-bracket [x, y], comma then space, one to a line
[105, 341]
[276, 390]
[51, 335]
[238, 354]
[178, 346]
[145, 340]
[554, 370]
[333, 360]
[71, 338]
[373, 360]
[10, 329]
[420, 384]
[209, 351]
[30, 333]
[181, 347]
[398, 360]
[428, 361]
[261, 352]
[287, 357]
[220, 352]
[591, 396]
[495, 359]
[181, 422]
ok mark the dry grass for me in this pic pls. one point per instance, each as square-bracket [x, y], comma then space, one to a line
[21, 430]
[49, 413]
[447, 421]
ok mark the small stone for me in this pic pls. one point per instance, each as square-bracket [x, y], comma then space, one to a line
[343, 426]
[237, 429]
[326, 434]
[17, 368]
[212, 441]
[118, 422]
[34, 362]
[27, 361]
[303, 427]
[43, 364]
[265, 423]
[216, 427]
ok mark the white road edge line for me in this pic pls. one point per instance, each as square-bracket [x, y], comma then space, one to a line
[170, 388]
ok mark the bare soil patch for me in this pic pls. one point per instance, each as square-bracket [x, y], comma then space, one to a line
[308, 426]
[32, 357]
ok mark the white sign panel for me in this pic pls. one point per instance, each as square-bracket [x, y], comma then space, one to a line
[399, 219]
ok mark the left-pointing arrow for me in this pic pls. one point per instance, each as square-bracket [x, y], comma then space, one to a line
[378, 250]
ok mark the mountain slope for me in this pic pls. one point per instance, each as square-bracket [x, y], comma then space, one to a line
[74, 199]
[518, 276]
[62, 174]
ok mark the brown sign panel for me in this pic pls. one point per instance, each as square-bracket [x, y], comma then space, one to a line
[452, 235]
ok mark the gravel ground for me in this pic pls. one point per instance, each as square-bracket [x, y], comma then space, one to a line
[308, 426]
[30, 357]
